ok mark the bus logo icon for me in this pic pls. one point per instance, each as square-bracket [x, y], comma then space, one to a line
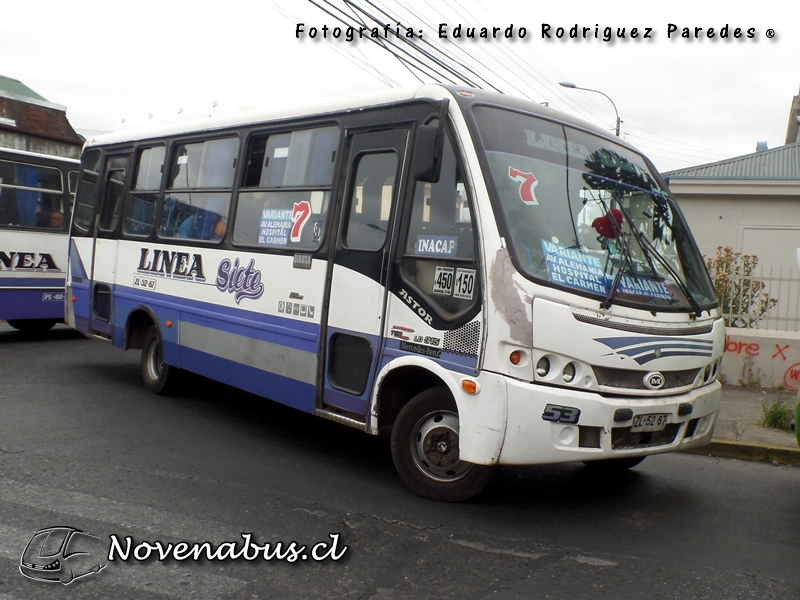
[62, 554]
[654, 380]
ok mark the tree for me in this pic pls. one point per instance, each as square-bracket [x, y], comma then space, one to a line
[742, 298]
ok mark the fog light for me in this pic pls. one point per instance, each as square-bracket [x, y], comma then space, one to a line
[543, 367]
[569, 373]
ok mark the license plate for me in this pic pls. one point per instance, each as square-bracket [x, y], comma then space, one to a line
[653, 422]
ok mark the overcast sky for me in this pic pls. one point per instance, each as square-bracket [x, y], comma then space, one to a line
[682, 101]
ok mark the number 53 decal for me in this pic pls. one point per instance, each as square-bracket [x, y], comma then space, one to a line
[561, 414]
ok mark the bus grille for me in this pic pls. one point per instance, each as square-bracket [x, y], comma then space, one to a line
[627, 379]
[464, 340]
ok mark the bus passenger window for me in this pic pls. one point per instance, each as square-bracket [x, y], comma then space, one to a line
[275, 208]
[30, 196]
[191, 209]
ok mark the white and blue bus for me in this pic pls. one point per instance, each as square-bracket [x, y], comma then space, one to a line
[36, 193]
[495, 281]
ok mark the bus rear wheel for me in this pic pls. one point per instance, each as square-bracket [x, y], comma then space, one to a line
[158, 377]
[33, 326]
[425, 450]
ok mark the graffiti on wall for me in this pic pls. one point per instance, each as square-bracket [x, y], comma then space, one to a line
[778, 352]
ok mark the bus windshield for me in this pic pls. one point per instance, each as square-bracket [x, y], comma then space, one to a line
[589, 215]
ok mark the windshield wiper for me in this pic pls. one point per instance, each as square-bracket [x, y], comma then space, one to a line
[650, 251]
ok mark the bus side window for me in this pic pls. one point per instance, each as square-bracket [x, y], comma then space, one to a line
[285, 191]
[199, 190]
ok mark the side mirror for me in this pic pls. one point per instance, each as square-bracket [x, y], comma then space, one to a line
[427, 162]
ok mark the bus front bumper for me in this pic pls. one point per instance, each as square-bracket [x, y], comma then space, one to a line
[553, 425]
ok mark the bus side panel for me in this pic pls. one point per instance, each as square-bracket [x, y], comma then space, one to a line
[32, 271]
[250, 334]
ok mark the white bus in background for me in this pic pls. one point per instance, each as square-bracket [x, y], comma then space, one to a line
[497, 282]
[36, 193]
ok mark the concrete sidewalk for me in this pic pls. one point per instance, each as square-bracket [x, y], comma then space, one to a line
[738, 433]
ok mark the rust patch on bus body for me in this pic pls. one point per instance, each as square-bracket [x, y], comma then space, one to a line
[510, 301]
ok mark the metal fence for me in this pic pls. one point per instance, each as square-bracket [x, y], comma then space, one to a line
[767, 298]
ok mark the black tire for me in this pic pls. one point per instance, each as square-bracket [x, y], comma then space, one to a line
[158, 377]
[614, 465]
[426, 453]
[33, 326]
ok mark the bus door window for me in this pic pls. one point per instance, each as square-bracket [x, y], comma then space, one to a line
[112, 201]
[140, 212]
[86, 198]
[199, 190]
[371, 201]
[439, 257]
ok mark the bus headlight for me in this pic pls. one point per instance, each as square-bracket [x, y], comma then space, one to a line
[543, 367]
[568, 374]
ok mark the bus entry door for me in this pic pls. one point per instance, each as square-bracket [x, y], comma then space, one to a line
[359, 280]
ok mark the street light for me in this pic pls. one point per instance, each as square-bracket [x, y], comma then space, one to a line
[569, 84]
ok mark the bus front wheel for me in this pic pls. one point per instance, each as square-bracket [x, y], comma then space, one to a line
[425, 450]
[158, 377]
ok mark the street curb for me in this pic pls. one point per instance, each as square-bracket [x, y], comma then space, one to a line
[745, 451]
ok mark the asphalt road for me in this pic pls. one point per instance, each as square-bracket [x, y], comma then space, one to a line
[82, 444]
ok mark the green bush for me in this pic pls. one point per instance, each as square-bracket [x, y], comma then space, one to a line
[742, 298]
[778, 415]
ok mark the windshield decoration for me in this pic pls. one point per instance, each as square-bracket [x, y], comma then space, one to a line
[608, 170]
[527, 183]
[275, 227]
[610, 224]
[580, 271]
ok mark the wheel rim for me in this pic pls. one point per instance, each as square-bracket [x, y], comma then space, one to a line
[434, 447]
[154, 364]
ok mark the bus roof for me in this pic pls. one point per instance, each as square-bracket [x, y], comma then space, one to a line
[341, 104]
[39, 155]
